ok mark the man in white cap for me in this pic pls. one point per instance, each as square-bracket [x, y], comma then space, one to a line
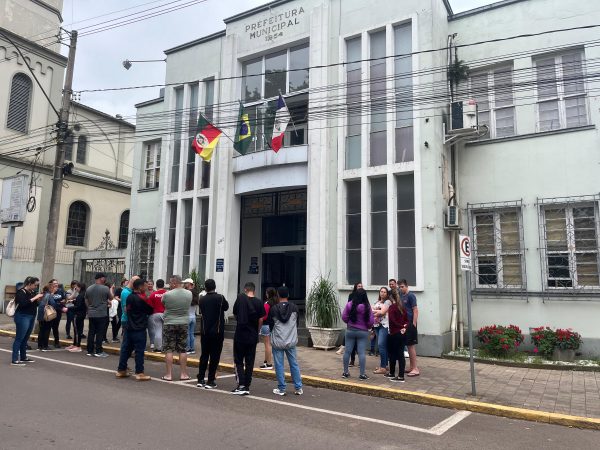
[188, 284]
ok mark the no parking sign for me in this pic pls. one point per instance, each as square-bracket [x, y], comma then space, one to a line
[465, 252]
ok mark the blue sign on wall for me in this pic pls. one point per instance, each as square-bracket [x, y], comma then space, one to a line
[220, 265]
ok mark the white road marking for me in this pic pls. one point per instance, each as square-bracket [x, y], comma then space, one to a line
[436, 430]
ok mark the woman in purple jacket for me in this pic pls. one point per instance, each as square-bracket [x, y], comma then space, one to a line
[359, 317]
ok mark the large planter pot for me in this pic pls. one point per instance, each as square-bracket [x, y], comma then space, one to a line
[567, 355]
[324, 338]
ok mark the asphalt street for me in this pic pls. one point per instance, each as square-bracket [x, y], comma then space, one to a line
[71, 401]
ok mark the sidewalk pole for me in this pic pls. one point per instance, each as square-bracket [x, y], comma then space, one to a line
[470, 331]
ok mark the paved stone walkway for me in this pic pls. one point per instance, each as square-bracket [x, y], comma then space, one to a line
[561, 391]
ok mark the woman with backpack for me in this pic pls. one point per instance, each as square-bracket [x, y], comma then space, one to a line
[26, 300]
[359, 317]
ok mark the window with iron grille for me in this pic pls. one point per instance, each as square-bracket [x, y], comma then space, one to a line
[498, 248]
[19, 103]
[570, 244]
[77, 224]
[561, 95]
[142, 252]
[123, 229]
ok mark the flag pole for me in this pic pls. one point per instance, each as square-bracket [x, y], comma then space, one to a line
[291, 120]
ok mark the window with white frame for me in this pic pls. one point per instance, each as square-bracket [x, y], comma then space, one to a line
[178, 133]
[379, 236]
[570, 237]
[151, 165]
[561, 95]
[171, 242]
[353, 232]
[143, 242]
[405, 217]
[353, 103]
[378, 97]
[203, 248]
[492, 89]
[498, 248]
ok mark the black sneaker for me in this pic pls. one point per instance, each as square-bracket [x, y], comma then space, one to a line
[211, 385]
[397, 380]
[389, 375]
[241, 390]
[363, 377]
[69, 336]
[27, 360]
[266, 366]
[351, 364]
[201, 383]
[18, 364]
[345, 375]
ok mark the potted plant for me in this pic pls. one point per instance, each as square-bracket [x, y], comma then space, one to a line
[544, 340]
[567, 341]
[499, 340]
[323, 313]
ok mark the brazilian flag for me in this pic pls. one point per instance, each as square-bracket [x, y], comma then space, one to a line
[243, 135]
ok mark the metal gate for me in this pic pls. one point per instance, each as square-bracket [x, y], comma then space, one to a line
[106, 259]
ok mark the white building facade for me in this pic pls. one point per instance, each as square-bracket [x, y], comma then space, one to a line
[360, 188]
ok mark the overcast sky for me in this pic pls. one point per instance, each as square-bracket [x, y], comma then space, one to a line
[99, 56]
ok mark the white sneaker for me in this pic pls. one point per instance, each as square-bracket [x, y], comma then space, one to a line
[340, 350]
[276, 391]
[151, 346]
[405, 354]
[299, 392]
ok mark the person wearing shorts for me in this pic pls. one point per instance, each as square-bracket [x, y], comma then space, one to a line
[409, 302]
[265, 332]
[175, 330]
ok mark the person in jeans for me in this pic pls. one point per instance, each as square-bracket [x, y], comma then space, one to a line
[60, 300]
[46, 326]
[26, 299]
[283, 323]
[155, 322]
[79, 312]
[137, 324]
[176, 304]
[98, 298]
[380, 327]
[398, 324]
[71, 295]
[188, 284]
[359, 317]
[212, 309]
[247, 311]
[409, 301]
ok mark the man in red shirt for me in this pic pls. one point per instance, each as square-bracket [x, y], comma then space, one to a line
[155, 321]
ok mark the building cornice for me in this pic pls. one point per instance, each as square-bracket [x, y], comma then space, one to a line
[483, 9]
[251, 12]
[36, 49]
[49, 8]
[201, 40]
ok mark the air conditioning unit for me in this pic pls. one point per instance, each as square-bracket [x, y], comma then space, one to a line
[464, 115]
[452, 220]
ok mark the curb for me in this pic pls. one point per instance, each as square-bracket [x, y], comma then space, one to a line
[397, 394]
[524, 365]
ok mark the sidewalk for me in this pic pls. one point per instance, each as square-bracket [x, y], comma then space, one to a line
[557, 391]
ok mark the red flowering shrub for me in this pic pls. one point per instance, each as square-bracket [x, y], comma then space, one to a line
[567, 339]
[498, 340]
[546, 340]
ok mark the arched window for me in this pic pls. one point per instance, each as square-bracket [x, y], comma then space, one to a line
[77, 224]
[124, 229]
[81, 149]
[20, 102]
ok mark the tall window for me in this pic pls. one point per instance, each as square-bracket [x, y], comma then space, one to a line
[353, 232]
[82, 149]
[209, 101]
[177, 133]
[151, 165]
[379, 241]
[561, 91]
[404, 96]
[203, 237]
[171, 238]
[77, 224]
[190, 168]
[571, 241]
[353, 103]
[493, 91]
[266, 76]
[187, 236]
[378, 92]
[123, 229]
[142, 253]
[498, 248]
[19, 103]
[69, 143]
[405, 193]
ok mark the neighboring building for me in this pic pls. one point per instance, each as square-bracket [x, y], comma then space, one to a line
[96, 196]
[360, 189]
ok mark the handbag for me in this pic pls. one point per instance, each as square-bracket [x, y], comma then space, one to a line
[49, 313]
[11, 308]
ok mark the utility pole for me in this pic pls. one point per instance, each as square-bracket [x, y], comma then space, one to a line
[59, 160]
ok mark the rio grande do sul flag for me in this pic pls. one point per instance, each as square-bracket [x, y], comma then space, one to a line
[282, 118]
[207, 137]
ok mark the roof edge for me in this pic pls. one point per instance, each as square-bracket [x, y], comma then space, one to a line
[201, 40]
[103, 114]
[149, 102]
[448, 7]
[486, 8]
[250, 12]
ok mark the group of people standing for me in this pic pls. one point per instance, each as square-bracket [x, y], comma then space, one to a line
[391, 322]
